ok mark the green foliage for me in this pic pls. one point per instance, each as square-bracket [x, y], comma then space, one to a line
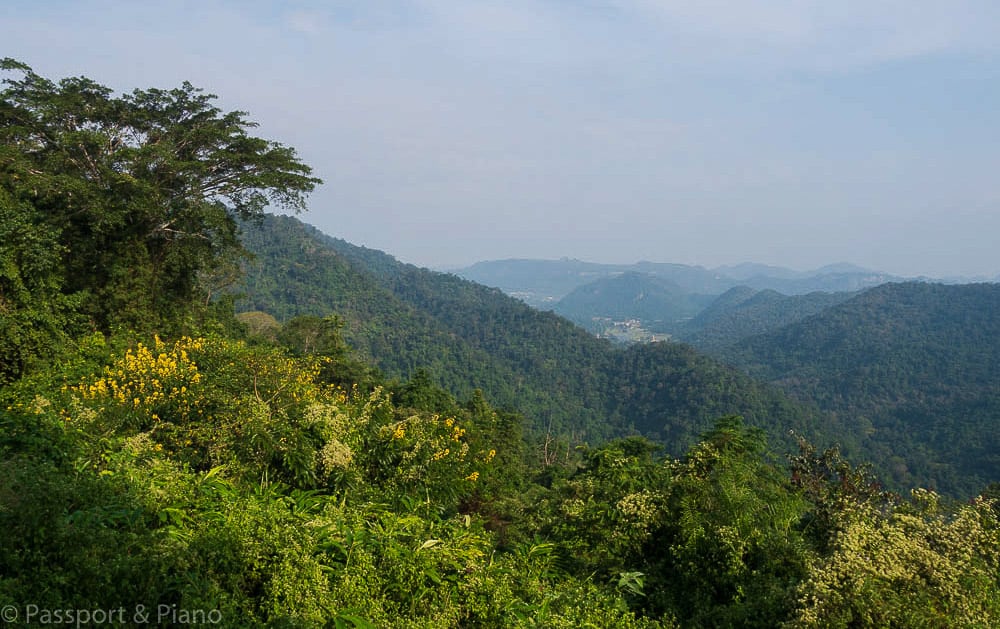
[206, 473]
[308, 335]
[729, 550]
[259, 324]
[913, 566]
[36, 318]
[566, 383]
[139, 190]
[605, 513]
[421, 392]
[908, 375]
[833, 487]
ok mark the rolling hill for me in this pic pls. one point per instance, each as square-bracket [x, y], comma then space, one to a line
[916, 366]
[542, 283]
[661, 304]
[470, 336]
[742, 312]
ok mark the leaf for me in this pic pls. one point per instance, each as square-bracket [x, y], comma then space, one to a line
[432, 574]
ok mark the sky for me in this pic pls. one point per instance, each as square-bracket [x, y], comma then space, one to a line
[790, 132]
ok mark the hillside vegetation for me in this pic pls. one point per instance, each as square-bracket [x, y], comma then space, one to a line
[165, 462]
[568, 384]
[743, 312]
[660, 304]
[915, 365]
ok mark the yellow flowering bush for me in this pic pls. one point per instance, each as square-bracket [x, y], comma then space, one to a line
[431, 453]
[259, 412]
[214, 401]
[151, 383]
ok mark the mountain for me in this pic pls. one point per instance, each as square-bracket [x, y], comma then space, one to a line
[828, 282]
[839, 268]
[470, 336]
[915, 365]
[746, 270]
[681, 300]
[542, 283]
[742, 312]
[662, 305]
[693, 279]
[539, 283]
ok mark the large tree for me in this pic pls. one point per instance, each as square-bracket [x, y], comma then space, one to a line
[142, 190]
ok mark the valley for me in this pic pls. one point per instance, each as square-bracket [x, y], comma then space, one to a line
[745, 351]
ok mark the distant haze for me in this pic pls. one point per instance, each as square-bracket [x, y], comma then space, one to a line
[712, 133]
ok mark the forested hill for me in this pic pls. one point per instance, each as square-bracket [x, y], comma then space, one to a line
[661, 304]
[743, 312]
[916, 365]
[903, 375]
[468, 336]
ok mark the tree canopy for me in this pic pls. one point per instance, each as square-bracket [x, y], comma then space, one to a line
[146, 186]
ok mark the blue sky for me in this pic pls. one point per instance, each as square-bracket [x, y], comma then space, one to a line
[785, 132]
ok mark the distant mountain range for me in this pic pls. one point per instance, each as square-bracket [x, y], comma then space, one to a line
[664, 298]
[542, 283]
[709, 308]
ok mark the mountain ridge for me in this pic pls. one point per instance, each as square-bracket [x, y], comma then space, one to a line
[472, 336]
[915, 365]
[542, 283]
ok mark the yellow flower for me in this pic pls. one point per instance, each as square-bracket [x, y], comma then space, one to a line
[440, 454]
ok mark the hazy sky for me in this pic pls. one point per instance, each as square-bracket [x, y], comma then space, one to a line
[787, 132]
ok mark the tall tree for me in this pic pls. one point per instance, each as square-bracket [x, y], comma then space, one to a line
[143, 189]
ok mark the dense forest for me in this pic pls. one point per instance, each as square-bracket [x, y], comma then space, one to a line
[709, 308]
[166, 462]
[577, 388]
[742, 312]
[915, 365]
[570, 385]
[902, 374]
